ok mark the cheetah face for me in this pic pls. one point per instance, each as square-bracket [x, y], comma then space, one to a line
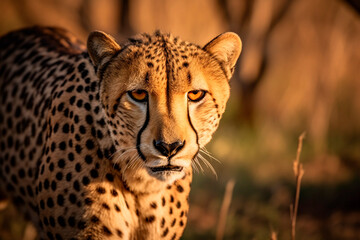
[163, 99]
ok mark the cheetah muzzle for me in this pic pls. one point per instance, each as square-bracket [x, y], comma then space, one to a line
[100, 142]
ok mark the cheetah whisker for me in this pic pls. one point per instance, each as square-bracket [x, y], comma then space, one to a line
[116, 152]
[134, 161]
[125, 152]
[207, 153]
[197, 163]
[208, 164]
[193, 165]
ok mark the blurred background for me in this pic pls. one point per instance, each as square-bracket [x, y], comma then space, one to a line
[299, 71]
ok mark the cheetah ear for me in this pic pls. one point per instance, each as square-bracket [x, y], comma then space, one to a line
[101, 47]
[226, 48]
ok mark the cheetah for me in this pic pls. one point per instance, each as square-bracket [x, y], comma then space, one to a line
[100, 141]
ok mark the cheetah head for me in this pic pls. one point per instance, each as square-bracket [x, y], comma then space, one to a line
[163, 99]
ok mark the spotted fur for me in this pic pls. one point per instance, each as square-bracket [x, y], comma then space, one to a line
[83, 159]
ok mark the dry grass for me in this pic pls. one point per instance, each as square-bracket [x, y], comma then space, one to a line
[273, 235]
[225, 209]
[299, 173]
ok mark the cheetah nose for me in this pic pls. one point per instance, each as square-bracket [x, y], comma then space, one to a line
[168, 150]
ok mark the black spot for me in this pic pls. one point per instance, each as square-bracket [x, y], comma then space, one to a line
[21, 173]
[150, 219]
[93, 132]
[62, 145]
[78, 167]
[147, 77]
[99, 134]
[119, 233]
[81, 67]
[94, 173]
[42, 204]
[81, 225]
[87, 106]
[116, 207]
[53, 185]
[104, 205]
[17, 112]
[51, 167]
[88, 201]
[8, 107]
[71, 157]
[76, 185]
[94, 219]
[59, 176]
[58, 237]
[61, 221]
[56, 127]
[179, 188]
[79, 103]
[84, 73]
[60, 200]
[82, 129]
[79, 88]
[72, 100]
[50, 235]
[115, 107]
[50, 202]
[46, 221]
[77, 137]
[89, 119]
[30, 191]
[53, 146]
[68, 177]
[72, 198]
[100, 190]
[166, 231]
[65, 128]
[109, 177]
[106, 231]
[85, 181]
[114, 192]
[70, 89]
[88, 159]
[78, 148]
[60, 107]
[90, 144]
[189, 78]
[46, 184]
[71, 221]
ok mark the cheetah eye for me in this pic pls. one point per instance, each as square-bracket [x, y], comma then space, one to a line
[196, 95]
[138, 95]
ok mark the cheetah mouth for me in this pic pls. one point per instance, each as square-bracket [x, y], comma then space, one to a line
[167, 168]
